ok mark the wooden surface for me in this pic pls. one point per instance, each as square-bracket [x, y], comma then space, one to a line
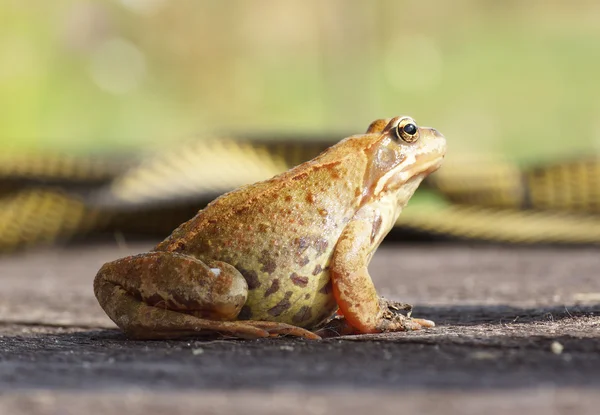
[518, 329]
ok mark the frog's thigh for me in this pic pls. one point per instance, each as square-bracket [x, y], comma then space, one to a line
[162, 294]
[141, 321]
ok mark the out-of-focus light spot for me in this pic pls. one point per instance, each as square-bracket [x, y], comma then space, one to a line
[85, 25]
[414, 64]
[117, 66]
[143, 6]
[19, 59]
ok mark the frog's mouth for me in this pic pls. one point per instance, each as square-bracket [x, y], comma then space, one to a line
[426, 163]
[414, 171]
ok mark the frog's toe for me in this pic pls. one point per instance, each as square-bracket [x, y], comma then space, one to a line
[281, 329]
[400, 322]
[418, 324]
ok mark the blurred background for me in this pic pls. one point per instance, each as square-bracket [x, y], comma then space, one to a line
[510, 80]
[512, 77]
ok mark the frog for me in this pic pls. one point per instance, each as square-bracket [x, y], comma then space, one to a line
[287, 256]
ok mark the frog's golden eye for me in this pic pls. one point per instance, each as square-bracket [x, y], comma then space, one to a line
[408, 131]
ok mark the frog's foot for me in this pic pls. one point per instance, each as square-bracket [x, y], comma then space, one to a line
[282, 329]
[390, 320]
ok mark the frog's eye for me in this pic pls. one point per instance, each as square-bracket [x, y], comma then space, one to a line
[408, 131]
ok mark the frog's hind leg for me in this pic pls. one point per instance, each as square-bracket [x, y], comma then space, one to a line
[142, 321]
[168, 295]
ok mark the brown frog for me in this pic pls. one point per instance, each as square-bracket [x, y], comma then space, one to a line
[281, 256]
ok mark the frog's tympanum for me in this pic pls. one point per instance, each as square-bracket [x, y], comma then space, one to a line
[282, 256]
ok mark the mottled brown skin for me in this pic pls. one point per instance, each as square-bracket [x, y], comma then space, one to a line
[281, 256]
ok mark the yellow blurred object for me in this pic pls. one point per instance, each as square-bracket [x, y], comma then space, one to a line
[475, 198]
[58, 167]
[570, 186]
[504, 225]
[35, 216]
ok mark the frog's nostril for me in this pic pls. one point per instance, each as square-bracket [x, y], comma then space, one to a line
[436, 133]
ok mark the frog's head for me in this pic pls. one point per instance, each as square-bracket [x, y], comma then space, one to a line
[401, 154]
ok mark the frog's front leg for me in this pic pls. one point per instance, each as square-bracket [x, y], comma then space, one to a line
[362, 309]
[168, 295]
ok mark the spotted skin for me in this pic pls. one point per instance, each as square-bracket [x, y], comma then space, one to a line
[298, 243]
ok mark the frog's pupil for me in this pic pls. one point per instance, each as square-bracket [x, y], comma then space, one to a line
[410, 129]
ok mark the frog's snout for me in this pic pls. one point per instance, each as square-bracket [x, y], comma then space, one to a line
[433, 149]
[438, 138]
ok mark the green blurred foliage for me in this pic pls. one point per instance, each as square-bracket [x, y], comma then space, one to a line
[514, 77]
